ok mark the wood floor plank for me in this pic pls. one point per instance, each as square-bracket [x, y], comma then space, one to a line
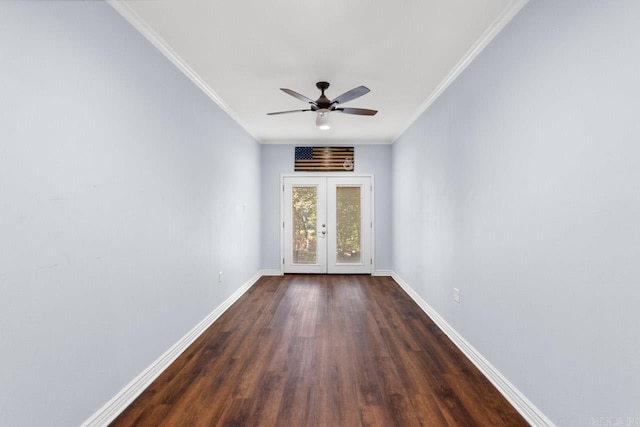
[317, 350]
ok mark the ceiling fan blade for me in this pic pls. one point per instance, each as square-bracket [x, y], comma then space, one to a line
[352, 94]
[297, 95]
[286, 112]
[357, 111]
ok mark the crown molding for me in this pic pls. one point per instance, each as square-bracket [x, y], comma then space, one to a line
[132, 17]
[498, 24]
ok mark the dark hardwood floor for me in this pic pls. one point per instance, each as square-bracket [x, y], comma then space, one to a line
[307, 350]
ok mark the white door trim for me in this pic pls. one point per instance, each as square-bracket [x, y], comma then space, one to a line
[324, 175]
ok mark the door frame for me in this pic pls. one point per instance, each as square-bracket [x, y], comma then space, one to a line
[326, 175]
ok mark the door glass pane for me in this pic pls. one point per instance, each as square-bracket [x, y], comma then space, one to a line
[305, 207]
[348, 224]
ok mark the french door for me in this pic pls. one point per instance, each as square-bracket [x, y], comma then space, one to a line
[327, 224]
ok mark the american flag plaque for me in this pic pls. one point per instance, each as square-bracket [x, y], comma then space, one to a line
[324, 159]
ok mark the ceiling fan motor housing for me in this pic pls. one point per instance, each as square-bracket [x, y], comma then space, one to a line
[323, 102]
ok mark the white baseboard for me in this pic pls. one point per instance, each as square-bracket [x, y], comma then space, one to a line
[128, 394]
[527, 409]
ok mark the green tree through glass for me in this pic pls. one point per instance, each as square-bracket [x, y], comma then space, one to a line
[305, 206]
[348, 224]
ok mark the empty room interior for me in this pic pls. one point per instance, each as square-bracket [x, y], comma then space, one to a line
[159, 200]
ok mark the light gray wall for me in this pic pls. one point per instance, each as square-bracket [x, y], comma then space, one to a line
[520, 186]
[369, 159]
[121, 197]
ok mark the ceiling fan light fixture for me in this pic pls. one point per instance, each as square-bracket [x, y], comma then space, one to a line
[322, 120]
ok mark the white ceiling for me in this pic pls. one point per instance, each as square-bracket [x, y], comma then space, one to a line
[241, 52]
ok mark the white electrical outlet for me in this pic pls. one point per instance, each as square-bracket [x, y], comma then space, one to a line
[220, 277]
[456, 295]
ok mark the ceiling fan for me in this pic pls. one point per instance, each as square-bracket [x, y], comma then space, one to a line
[323, 106]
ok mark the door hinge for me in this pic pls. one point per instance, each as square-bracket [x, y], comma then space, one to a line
[282, 261]
[371, 261]
[282, 224]
[283, 187]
